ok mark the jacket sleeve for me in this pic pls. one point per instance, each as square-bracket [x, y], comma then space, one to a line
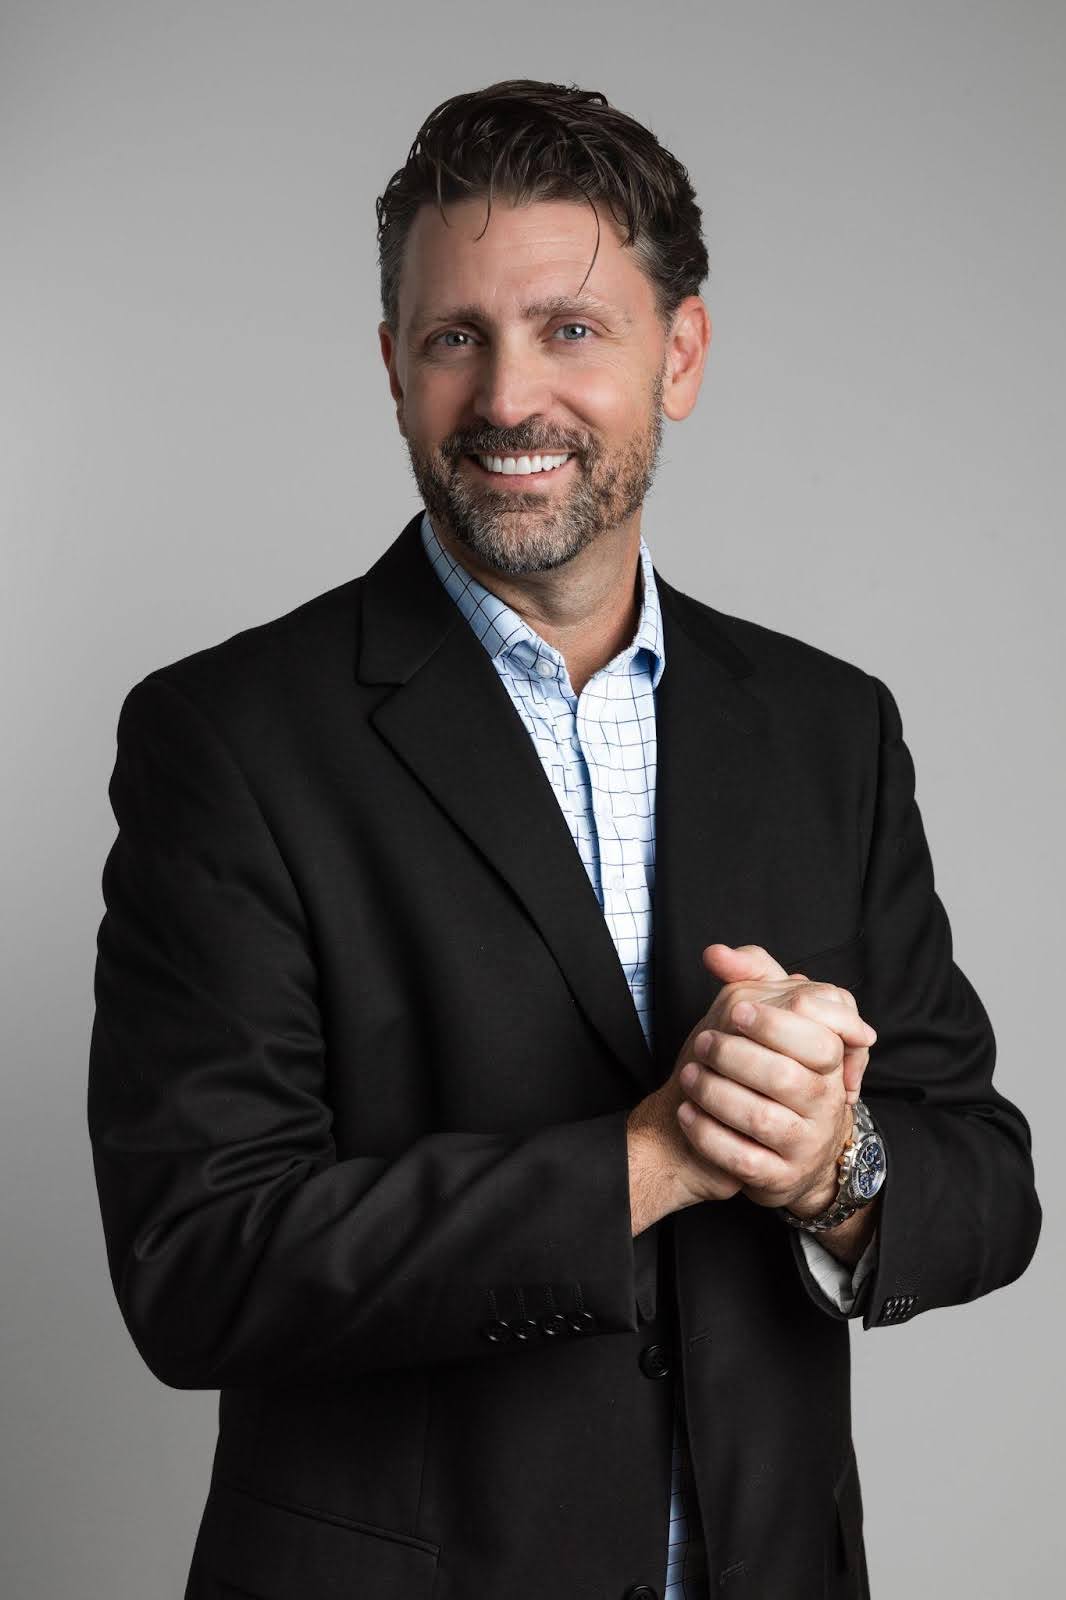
[241, 1249]
[959, 1211]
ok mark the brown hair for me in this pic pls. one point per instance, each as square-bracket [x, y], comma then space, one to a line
[525, 140]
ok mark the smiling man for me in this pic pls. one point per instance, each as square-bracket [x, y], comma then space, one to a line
[527, 1031]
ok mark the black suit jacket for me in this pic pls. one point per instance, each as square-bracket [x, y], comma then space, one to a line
[360, 1070]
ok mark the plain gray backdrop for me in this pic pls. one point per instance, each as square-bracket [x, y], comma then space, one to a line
[198, 436]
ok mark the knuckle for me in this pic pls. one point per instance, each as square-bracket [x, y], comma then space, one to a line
[835, 994]
[747, 1165]
[764, 1124]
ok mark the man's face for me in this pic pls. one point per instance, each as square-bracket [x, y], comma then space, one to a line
[498, 355]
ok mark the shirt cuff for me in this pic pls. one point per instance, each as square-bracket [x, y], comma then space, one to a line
[839, 1283]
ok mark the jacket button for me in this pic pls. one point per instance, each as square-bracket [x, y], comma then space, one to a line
[497, 1332]
[641, 1591]
[581, 1322]
[553, 1323]
[654, 1362]
[525, 1330]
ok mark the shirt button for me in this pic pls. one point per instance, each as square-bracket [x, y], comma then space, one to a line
[545, 669]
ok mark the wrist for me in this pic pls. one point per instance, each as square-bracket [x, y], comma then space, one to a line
[848, 1240]
[848, 1222]
[824, 1193]
[655, 1190]
[815, 1201]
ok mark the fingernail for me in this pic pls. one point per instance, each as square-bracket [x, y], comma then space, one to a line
[690, 1074]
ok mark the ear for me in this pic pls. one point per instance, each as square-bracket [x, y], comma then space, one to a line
[687, 345]
[388, 344]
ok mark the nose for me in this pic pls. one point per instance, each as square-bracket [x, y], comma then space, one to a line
[512, 384]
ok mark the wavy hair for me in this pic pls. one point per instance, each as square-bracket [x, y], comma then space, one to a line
[521, 140]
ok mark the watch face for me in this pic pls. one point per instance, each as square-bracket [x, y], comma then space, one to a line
[869, 1172]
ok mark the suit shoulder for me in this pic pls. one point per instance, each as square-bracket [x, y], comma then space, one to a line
[765, 652]
[274, 657]
[263, 676]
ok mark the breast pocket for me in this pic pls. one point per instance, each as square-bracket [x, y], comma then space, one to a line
[257, 1549]
[843, 964]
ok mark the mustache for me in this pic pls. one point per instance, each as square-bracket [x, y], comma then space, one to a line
[499, 444]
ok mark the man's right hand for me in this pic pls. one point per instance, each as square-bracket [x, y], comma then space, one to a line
[665, 1173]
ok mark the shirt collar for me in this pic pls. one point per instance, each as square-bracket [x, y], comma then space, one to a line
[503, 632]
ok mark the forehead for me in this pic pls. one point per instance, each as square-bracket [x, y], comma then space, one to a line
[529, 256]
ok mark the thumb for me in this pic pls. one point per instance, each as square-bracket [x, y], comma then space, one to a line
[733, 963]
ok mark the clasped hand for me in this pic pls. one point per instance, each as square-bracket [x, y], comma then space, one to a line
[766, 1080]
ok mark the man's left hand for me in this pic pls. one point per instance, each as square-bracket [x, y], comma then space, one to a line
[770, 1103]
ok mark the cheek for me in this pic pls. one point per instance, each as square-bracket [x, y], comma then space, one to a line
[609, 399]
[434, 409]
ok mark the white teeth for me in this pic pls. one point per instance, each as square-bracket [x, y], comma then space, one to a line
[522, 464]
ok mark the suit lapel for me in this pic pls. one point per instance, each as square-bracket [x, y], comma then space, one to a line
[713, 791]
[452, 723]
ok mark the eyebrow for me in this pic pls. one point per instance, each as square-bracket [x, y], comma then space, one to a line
[533, 311]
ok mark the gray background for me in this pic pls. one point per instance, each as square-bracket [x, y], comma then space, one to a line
[198, 435]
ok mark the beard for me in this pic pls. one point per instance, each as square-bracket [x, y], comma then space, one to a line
[515, 533]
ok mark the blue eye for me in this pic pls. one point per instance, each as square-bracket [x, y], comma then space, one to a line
[456, 333]
[583, 325]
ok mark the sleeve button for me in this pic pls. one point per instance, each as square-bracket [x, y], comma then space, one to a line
[553, 1323]
[582, 1322]
[497, 1332]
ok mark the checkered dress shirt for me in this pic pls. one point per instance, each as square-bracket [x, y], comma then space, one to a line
[599, 752]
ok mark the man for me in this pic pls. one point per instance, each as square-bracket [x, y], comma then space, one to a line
[429, 1121]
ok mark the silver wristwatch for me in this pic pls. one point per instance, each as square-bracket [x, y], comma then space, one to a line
[863, 1168]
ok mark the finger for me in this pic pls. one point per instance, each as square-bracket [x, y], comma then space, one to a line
[731, 963]
[855, 1064]
[825, 1002]
[805, 1039]
[744, 1159]
[831, 1005]
[781, 1078]
[761, 1117]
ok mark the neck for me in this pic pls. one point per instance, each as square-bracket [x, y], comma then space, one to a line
[588, 609]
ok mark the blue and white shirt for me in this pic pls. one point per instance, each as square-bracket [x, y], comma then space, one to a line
[599, 752]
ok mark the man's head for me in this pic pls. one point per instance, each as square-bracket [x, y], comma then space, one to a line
[541, 259]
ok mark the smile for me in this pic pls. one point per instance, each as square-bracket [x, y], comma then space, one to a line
[512, 471]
